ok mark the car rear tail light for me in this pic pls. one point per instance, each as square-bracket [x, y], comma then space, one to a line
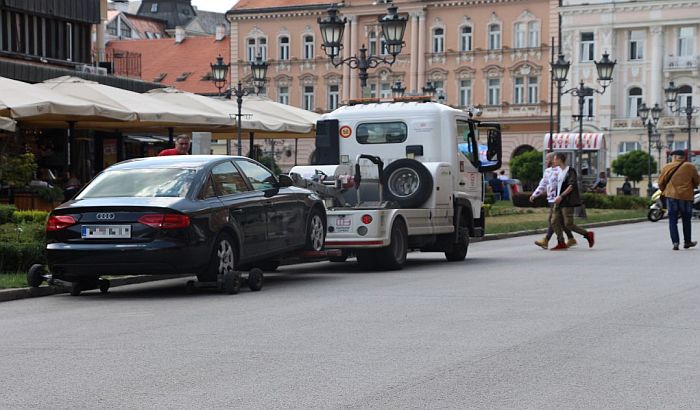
[58, 222]
[366, 219]
[165, 221]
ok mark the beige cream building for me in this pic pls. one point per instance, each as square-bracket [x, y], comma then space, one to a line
[654, 42]
[489, 53]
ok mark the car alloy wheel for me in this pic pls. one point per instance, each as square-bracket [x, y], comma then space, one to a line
[316, 231]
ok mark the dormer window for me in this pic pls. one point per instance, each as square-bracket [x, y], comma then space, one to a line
[183, 76]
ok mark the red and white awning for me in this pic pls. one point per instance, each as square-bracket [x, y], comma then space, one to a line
[570, 141]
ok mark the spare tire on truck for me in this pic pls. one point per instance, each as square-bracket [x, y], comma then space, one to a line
[407, 182]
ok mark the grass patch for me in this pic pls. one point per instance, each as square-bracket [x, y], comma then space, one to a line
[536, 218]
[13, 280]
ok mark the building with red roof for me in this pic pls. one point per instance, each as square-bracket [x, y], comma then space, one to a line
[182, 62]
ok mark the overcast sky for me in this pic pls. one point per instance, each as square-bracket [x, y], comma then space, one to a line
[214, 5]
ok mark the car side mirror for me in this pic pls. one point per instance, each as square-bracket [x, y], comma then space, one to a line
[284, 181]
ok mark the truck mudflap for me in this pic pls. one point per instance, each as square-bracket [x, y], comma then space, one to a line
[480, 224]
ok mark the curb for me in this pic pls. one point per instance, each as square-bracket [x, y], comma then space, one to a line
[543, 230]
[7, 295]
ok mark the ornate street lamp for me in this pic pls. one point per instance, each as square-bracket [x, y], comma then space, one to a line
[218, 72]
[429, 90]
[397, 90]
[671, 94]
[650, 117]
[332, 27]
[259, 70]
[560, 70]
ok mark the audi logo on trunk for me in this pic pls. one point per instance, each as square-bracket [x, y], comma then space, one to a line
[105, 216]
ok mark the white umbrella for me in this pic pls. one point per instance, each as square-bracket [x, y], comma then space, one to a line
[27, 103]
[256, 120]
[264, 104]
[151, 113]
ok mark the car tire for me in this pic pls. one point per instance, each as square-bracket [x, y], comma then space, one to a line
[315, 231]
[232, 282]
[255, 279]
[223, 259]
[393, 257]
[407, 182]
[35, 275]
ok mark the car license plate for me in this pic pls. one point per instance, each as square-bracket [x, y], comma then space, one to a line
[343, 224]
[105, 231]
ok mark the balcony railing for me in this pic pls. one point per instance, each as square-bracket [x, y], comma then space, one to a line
[682, 63]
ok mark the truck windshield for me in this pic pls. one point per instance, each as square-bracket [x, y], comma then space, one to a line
[381, 133]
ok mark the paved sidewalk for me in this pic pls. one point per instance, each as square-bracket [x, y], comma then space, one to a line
[21, 293]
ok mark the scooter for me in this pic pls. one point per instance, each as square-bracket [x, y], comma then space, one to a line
[657, 209]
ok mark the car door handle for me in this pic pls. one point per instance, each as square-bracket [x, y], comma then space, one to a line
[237, 211]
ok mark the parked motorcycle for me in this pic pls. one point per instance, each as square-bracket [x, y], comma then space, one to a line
[657, 209]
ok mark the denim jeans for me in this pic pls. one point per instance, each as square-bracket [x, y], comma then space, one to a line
[684, 209]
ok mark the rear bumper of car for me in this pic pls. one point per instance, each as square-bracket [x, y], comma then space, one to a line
[92, 260]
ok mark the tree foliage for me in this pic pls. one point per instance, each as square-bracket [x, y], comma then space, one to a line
[527, 167]
[634, 165]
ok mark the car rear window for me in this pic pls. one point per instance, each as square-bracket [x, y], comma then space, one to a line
[158, 182]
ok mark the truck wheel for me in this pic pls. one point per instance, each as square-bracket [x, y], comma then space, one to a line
[393, 257]
[255, 279]
[407, 182]
[232, 282]
[35, 275]
[458, 250]
[315, 231]
[367, 259]
[223, 259]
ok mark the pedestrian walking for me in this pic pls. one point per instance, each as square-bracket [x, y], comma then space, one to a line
[548, 184]
[182, 146]
[677, 181]
[567, 199]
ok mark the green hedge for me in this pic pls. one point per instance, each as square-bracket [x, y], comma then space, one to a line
[6, 212]
[522, 200]
[602, 201]
[30, 216]
[18, 257]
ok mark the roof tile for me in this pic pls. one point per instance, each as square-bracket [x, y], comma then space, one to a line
[193, 55]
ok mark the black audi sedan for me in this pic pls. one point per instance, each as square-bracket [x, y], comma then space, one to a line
[186, 214]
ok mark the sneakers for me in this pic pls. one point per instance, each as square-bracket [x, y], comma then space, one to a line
[689, 244]
[590, 237]
[542, 243]
[571, 242]
[675, 246]
[561, 246]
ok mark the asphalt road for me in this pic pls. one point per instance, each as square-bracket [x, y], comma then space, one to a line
[513, 327]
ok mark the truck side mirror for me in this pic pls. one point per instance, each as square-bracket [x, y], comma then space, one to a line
[494, 151]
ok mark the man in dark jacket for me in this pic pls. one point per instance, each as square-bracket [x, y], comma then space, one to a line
[567, 199]
[677, 181]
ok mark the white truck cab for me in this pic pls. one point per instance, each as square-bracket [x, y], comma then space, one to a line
[416, 179]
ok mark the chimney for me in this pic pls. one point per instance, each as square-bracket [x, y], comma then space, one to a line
[179, 34]
[220, 32]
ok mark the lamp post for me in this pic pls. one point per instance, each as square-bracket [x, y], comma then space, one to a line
[397, 90]
[332, 27]
[659, 145]
[650, 117]
[429, 90]
[259, 69]
[560, 69]
[671, 94]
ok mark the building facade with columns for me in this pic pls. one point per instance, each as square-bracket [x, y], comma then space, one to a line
[654, 42]
[492, 54]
